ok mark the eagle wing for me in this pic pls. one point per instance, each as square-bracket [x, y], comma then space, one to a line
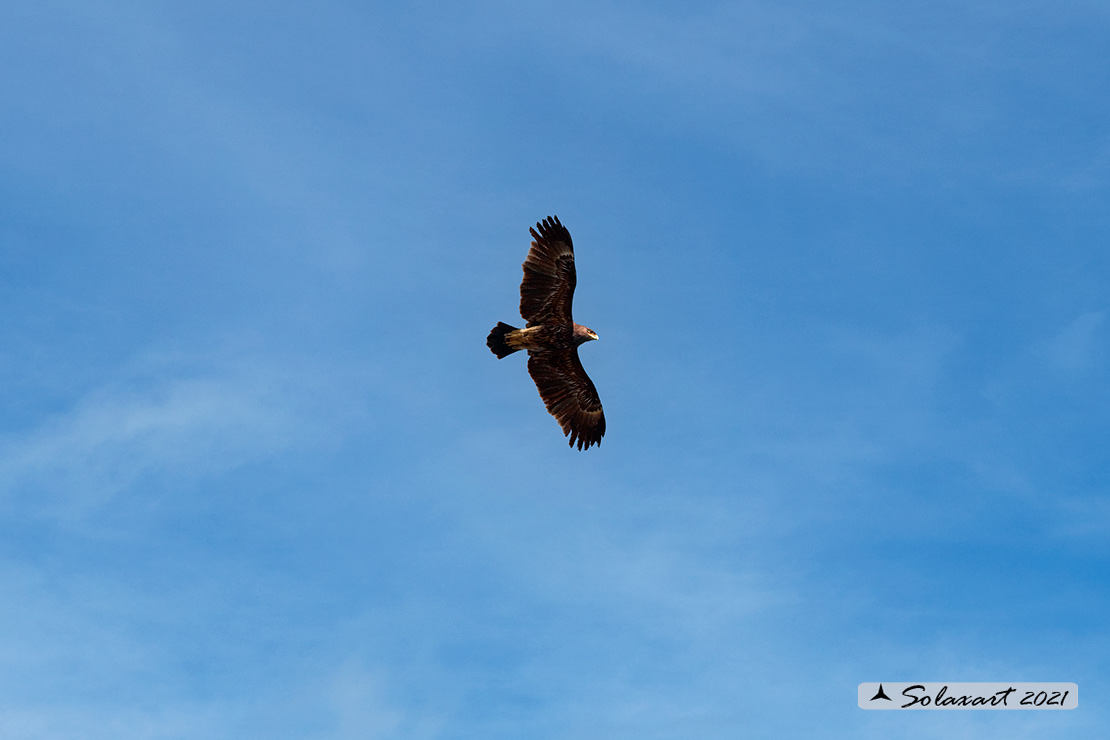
[569, 394]
[549, 279]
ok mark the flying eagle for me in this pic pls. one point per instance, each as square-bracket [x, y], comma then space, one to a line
[551, 336]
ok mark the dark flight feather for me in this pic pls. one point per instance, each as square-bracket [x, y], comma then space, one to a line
[569, 395]
[549, 278]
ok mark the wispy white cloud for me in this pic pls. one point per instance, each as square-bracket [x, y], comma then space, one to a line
[804, 87]
[1077, 347]
[358, 702]
[1083, 518]
[95, 721]
[168, 418]
[73, 664]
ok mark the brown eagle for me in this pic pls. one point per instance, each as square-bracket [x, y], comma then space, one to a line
[551, 336]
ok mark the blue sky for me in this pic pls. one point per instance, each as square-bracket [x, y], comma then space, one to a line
[260, 476]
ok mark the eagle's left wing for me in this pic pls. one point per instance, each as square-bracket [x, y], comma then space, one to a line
[569, 395]
[547, 290]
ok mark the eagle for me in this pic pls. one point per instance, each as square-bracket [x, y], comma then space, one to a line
[551, 336]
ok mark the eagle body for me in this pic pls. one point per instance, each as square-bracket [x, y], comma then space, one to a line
[544, 337]
[551, 337]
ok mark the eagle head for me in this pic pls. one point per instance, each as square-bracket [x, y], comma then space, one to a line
[583, 334]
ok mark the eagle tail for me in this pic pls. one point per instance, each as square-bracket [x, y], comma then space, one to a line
[496, 340]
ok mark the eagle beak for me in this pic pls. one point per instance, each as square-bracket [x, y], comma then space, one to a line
[595, 336]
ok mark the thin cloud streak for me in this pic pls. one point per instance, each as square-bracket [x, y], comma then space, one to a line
[184, 423]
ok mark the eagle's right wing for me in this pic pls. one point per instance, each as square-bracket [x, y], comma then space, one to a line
[569, 394]
[549, 279]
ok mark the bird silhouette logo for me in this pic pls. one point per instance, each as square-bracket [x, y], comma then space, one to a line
[881, 694]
